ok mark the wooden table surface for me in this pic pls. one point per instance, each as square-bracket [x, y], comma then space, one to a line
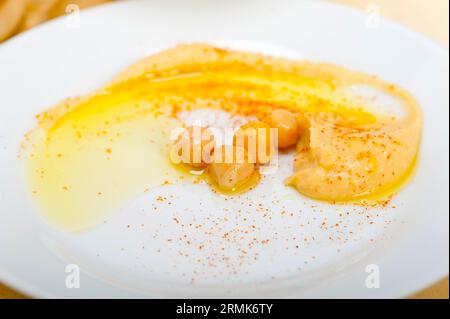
[430, 17]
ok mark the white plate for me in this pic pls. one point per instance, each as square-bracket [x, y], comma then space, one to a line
[409, 245]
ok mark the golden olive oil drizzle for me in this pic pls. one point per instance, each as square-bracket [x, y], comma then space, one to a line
[90, 155]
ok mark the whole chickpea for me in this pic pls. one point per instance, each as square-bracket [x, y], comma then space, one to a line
[193, 146]
[256, 138]
[287, 125]
[230, 167]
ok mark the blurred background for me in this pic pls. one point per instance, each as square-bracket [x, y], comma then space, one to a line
[430, 17]
[20, 15]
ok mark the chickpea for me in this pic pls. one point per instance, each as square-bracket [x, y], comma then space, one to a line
[287, 125]
[256, 138]
[230, 167]
[194, 146]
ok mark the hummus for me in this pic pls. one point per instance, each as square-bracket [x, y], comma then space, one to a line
[348, 150]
